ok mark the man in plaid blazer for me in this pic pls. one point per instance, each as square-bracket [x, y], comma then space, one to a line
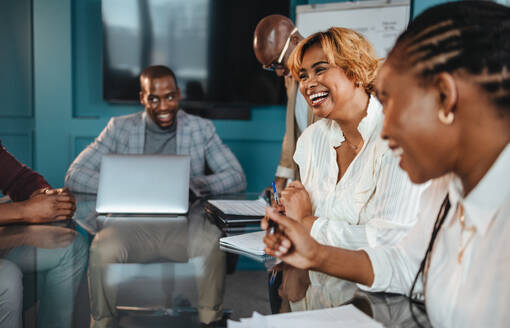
[161, 129]
[194, 136]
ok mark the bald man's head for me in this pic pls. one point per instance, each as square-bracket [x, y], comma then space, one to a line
[270, 37]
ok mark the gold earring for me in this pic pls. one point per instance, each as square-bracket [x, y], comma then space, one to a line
[445, 119]
[359, 84]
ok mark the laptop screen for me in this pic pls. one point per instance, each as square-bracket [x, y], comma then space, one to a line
[143, 184]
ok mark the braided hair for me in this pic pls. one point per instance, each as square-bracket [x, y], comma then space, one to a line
[468, 36]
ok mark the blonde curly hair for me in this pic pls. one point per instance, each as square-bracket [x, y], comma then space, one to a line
[344, 48]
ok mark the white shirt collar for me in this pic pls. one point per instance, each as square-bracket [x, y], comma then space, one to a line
[367, 125]
[484, 201]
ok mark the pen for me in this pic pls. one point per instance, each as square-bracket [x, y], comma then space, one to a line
[270, 223]
[275, 193]
[273, 277]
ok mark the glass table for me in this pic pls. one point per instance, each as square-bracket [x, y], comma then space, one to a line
[163, 270]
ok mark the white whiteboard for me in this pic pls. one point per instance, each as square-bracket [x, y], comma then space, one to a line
[381, 22]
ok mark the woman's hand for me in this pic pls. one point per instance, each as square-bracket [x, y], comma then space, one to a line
[297, 202]
[292, 243]
[264, 223]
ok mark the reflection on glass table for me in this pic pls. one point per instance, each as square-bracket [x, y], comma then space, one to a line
[128, 252]
[41, 267]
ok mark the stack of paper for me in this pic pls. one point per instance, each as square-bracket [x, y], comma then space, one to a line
[343, 316]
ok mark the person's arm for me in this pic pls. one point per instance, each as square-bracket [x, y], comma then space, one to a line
[228, 175]
[286, 166]
[296, 247]
[285, 169]
[41, 207]
[17, 180]
[83, 173]
[384, 268]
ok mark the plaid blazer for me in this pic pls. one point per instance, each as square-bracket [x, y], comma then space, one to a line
[195, 136]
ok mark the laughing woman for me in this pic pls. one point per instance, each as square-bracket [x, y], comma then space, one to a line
[353, 194]
[445, 88]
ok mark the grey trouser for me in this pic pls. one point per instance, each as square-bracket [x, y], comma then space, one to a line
[133, 240]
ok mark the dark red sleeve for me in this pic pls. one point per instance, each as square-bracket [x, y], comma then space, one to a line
[17, 180]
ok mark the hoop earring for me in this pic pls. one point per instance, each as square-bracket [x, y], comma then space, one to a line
[446, 119]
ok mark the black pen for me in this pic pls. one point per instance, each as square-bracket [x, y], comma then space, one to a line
[271, 224]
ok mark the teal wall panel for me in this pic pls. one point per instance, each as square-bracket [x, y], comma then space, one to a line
[52, 87]
[16, 120]
[17, 137]
[16, 58]
[251, 155]
[19, 144]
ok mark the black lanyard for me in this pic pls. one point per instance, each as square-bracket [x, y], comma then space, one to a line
[441, 216]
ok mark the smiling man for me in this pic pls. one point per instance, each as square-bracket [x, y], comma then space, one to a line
[161, 129]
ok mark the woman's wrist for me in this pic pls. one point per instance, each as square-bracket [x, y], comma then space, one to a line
[319, 257]
[308, 221]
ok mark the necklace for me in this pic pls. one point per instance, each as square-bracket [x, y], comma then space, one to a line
[463, 228]
[354, 147]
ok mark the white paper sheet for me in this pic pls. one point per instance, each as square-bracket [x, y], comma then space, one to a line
[343, 316]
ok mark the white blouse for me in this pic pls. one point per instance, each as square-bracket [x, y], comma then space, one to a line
[476, 291]
[373, 204]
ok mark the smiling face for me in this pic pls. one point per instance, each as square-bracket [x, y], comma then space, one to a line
[161, 97]
[426, 147]
[325, 87]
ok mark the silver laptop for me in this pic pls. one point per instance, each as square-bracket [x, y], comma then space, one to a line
[143, 184]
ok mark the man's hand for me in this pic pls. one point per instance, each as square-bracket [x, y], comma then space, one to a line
[297, 202]
[292, 243]
[48, 205]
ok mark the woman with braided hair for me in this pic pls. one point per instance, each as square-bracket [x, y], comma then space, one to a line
[445, 90]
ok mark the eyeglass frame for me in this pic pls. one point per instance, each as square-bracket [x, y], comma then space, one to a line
[278, 63]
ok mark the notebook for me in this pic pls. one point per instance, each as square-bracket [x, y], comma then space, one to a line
[143, 184]
[236, 212]
[250, 245]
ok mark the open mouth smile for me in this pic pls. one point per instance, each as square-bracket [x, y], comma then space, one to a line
[164, 117]
[318, 98]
